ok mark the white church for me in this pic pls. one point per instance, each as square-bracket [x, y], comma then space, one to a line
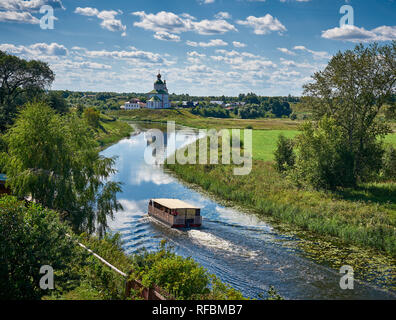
[159, 97]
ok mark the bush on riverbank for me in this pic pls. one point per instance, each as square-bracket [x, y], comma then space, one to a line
[30, 237]
[182, 277]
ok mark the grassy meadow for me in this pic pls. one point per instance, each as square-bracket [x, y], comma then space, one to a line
[185, 117]
[111, 131]
[264, 142]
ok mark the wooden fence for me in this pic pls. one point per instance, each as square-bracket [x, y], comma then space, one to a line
[153, 293]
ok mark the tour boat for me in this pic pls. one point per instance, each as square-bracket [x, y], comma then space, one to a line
[175, 213]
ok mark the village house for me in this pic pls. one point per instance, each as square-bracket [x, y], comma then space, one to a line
[133, 105]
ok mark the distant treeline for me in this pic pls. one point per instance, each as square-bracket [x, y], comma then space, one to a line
[245, 106]
[107, 98]
[271, 108]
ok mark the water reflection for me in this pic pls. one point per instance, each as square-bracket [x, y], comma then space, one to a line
[239, 248]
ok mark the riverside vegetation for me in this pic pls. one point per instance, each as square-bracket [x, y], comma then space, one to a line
[78, 274]
[50, 153]
[360, 211]
[312, 199]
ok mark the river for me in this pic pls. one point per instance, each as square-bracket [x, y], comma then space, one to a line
[242, 250]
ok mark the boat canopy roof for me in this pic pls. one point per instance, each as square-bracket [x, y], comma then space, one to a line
[174, 204]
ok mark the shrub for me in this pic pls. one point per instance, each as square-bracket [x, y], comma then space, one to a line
[389, 163]
[284, 154]
[99, 277]
[322, 157]
[182, 277]
[30, 237]
[92, 116]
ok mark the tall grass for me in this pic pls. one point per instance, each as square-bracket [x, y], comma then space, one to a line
[365, 217]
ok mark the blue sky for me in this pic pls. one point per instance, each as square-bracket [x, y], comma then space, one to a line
[202, 47]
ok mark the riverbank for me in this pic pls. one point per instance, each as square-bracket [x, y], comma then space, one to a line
[186, 118]
[111, 130]
[365, 216]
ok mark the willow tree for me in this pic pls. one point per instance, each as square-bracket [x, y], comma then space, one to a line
[20, 79]
[353, 89]
[54, 159]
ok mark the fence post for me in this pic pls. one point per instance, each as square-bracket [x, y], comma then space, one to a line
[128, 285]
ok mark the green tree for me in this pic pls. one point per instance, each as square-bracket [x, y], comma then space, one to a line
[18, 78]
[284, 154]
[92, 116]
[323, 161]
[57, 102]
[280, 109]
[31, 237]
[55, 160]
[353, 89]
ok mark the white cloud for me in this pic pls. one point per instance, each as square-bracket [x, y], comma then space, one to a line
[166, 36]
[31, 5]
[243, 60]
[199, 68]
[88, 11]
[163, 21]
[210, 27]
[68, 64]
[287, 51]
[173, 23]
[211, 43]
[108, 17]
[315, 54]
[263, 25]
[356, 34]
[223, 15]
[133, 55]
[19, 17]
[196, 54]
[238, 44]
[291, 63]
[37, 49]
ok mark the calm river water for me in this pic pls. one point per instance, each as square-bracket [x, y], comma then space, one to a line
[240, 249]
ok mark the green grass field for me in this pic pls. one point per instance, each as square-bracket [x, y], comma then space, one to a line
[264, 142]
[185, 117]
